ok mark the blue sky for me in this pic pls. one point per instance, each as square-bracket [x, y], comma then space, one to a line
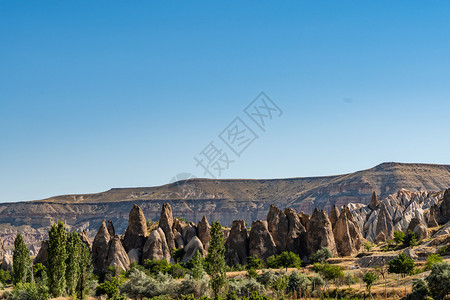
[105, 94]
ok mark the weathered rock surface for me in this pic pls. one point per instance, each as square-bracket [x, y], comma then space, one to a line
[179, 243]
[320, 233]
[117, 256]
[189, 232]
[373, 205]
[85, 239]
[296, 237]
[2, 249]
[42, 256]
[156, 246]
[237, 244]
[374, 260]
[100, 248]
[166, 223]
[442, 211]
[384, 222]
[135, 255]
[7, 263]
[347, 235]
[334, 215]
[111, 230]
[136, 232]
[204, 232]
[278, 227]
[261, 242]
[191, 248]
[381, 237]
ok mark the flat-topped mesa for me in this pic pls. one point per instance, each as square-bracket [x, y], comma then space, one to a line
[100, 248]
[136, 232]
[237, 244]
[320, 233]
[166, 224]
[347, 235]
[261, 242]
[204, 232]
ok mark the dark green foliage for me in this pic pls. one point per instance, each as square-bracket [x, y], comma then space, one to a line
[411, 239]
[288, 260]
[251, 273]
[157, 266]
[110, 288]
[402, 264]
[85, 271]
[21, 261]
[231, 295]
[254, 262]
[256, 296]
[329, 272]
[442, 250]
[30, 291]
[215, 260]
[197, 269]
[399, 237]
[57, 255]
[320, 256]
[369, 278]
[177, 271]
[420, 290]
[439, 280]
[431, 260]
[73, 248]
[177, 254]
[5, 277]
[39, 271]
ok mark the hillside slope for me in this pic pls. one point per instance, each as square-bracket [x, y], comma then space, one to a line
[223, 200]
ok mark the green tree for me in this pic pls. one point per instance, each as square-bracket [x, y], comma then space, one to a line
[21, 261]
[197, 269]
[57, 255]
[298, 283]
[254, 262]
[399, 237]
[73, 248]
[85, 271]
[321, 255]
[285, 260]
[431, 260]
[329, 272]
[439, 280]
[402, 264]
[369, 278]
[411, 239]
[420, 290]
[215, 260]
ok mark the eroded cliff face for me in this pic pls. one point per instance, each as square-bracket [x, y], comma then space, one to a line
[222, 200]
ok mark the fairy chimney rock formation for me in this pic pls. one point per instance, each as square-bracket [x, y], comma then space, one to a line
[156, 246]
[204, 232]
[166, 223]
[320, 232]
[278, 227]
[347, 235]
[261, 242]
[117, 256]
[237, 244]
[136, 232]
[100, 248]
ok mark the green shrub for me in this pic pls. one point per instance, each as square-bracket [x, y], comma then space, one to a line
[402, 264]
[254, 262]
[420, 290]
[297, 283]
[411, 239]
[399, 237]
[320, 256]
[431, 260]
[5, 276]
[157, 266]
[439, 280]
[109, 288]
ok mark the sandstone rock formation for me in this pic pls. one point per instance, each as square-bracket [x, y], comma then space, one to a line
[85, 239]
[296, 237]
[166, 223]
[278, 227]
[7, 263]
[136, 232]
[117, 256]
[261, 242]
[334, 215]
[381, 237]
[111, 230]
[373, 205]
[347, 235]
[442, 210]
[179, 243]
[156, 246]
[237, 244]
[384, 222]
[320, 233]
[191, 248]
[188, 233]
[100, 248]
[204, 232]
[42, 256]
[135, 255]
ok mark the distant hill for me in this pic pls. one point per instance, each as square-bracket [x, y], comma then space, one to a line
[219, 199]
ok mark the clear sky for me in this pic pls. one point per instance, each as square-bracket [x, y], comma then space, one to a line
[103, 94]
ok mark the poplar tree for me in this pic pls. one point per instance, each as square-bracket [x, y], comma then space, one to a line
[73, 248]
[57, 256]
[21, 261]
[215, 260]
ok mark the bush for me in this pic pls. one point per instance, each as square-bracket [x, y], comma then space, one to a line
[267, 278]
[244, 287]
[5, 276]
[317, 282]
[254, 262]
[196, 287]
[297, 283]
[420, 290]
[30, 291]
[368, 246]
[439, 280]
[369, 278]
[320, 256]
[411, 239]
[256, 296]
[431, 260]
[109, 288]
[329, 272]
[402, 264]
[157, 266]
[177, 271]
[399, 237]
